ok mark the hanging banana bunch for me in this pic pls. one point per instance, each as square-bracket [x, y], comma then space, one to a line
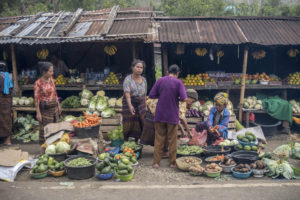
[200, 52]
[42, 54]
[220, 54]
[4, 55]
[257, 55]
[293, 53]
[110, 50]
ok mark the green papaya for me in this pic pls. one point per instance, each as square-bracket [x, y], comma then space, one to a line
[133, 160]
[125, 161]
[129, 169]
[100, 166]
[240, 137]
[106, 161]
[128, 154]
[245, 140]
[106, 170]
[249, 137]
[123, 172]
[238, 125]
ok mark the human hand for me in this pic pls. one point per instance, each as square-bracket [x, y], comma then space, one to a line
[39, 116]
[132, 110]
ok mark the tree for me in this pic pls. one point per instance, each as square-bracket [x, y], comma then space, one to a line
[121, 3]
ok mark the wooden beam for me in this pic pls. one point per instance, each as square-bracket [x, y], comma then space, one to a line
[71, 23]
[15, 71]
[110, 20]
[165, 60]
[243, 83]
[57, 20]
[30, 21]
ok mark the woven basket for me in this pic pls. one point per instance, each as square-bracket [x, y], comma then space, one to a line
[185, 166]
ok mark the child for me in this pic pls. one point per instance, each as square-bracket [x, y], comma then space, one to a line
[217, 121]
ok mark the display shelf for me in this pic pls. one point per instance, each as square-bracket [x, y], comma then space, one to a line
[78, 87]
[238, 87]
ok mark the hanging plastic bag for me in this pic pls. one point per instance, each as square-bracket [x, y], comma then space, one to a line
[198, 138]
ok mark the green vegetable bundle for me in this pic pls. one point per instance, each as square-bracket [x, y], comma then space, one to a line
[116, 134]
[280, 168]
[187, 150]
[26, 129]
[71, 102]
[131, 145]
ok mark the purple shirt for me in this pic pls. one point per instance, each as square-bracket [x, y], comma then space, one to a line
[169, 93]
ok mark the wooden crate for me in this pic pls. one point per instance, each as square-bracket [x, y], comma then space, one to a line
[111, 123]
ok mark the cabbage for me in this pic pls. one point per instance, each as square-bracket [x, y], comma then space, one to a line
[21, 102]
[258, 106]
[206, 112]
[296, 150]
[108, 112]
[62, 147]
[84, 102]
[196, 106]
[234, 142]
[69, 118]
[119, 102]
[27, 102]
[92, 106]
[101, 93]
[96, 112]
[86, 94]
[15, 101]
[101, 104]
[50, 149]
[112, 102]
[285, 148]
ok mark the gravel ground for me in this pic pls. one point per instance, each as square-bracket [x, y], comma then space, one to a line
[144, 173]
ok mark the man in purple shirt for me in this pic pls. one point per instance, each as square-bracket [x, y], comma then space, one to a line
[169, 90]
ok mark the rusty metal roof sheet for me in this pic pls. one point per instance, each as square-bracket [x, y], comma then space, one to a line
[230, 30]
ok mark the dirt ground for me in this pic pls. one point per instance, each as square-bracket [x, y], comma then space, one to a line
[144, 173]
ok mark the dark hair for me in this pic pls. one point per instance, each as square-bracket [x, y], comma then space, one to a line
[3, 66]
[136, 61]
[44, 66]
[174, 69]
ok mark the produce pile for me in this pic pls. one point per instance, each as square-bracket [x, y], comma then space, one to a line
[296, 120]
[54, 165]
[60, 80]
[212, 168]
[130, 144]
[205, 107]
[23, 101]
[216, 158]
[111, 79]
[247, 147]
[79, 162]
[26, 129]
[242, 168]
[196, 170]
[248, 137]
[290, 149]
[294, 78]
[295, 105]
[227, 142]
[259, 164]
[58, 148]
[116, 134]
[189, 150]
[108, 164]
[89, 121]
[71, 102]
[251, 102]
[190, 160]
[281, 168]
[41, 165]
[124, 167]
[228, 161]
[251, 79]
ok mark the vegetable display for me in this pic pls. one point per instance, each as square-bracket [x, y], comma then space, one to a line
[216, 158]
[54, 165]
[280, 168]
[69, 118]
[194, 113]
[242, 168]
[196, 170]
[116, 134]
[23, 101]
[259, 164]
[248, 137]
[188, 150]
[228, 143]
[295, 106]
[79, 162]
[108, 165]
[290, 149]
[90, 120]
[252, 103]
[26, 129]
[71, 102]
[124, 167]
[131, 145]
[212, 168]
[41, 164]
[227, 161]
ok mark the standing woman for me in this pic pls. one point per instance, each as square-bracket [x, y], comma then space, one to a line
[5, 104]
[46, 102]
[134, 101]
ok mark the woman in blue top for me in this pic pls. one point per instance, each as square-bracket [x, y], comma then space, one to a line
[5, 104]
[217, 121]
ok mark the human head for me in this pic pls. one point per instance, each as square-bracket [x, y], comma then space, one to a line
[3, 67]
[221, 100]
[46, 69]
[192, 96]
[174, 69]
[137, 66]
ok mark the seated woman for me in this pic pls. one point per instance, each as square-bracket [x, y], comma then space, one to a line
[217, 121]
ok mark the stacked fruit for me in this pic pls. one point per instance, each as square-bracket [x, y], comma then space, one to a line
[60, 80]
[294, 79]
[42, 54]
[259, 54]
[110, 50]
[112, 79]
[293, 53]
[201, 52]
[193, 80]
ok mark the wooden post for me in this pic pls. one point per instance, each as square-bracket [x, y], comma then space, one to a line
[133, 51]
[15, 71]
[165, 60]
[243, 83]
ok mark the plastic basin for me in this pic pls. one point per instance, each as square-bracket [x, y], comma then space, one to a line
[105, 176]
[39, 175]
[213, 174]
[79, 173]
[240, 175]
[226, 169]
[125, 178]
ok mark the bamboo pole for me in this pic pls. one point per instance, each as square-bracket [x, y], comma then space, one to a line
[243, 83]
[15, 71]
[165, 60]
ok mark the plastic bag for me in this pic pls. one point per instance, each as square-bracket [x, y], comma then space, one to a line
[9, 173]
[198, 138]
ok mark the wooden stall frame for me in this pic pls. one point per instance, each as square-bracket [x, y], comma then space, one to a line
[243, 83]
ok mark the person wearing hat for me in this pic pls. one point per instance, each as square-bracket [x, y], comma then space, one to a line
[192, 96]
[217, 121]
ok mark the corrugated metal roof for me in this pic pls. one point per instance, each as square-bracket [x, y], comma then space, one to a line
[230, 30]
[88, 26]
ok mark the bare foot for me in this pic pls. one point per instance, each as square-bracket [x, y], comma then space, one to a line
[172, 166]
[155, 166]
[7, 141]
[165, 155]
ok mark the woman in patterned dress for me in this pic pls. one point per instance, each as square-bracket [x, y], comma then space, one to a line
[45, 97]
[134, 106]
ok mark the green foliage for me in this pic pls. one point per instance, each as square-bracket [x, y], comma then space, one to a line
[121, 3]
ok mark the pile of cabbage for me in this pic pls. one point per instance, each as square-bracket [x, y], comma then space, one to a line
[26, 129]
[251, 102]
[295, 106]
[102, 105]
[282, 168]
[290, 149]
[205, 108]
[60, 147]
[23, 101]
